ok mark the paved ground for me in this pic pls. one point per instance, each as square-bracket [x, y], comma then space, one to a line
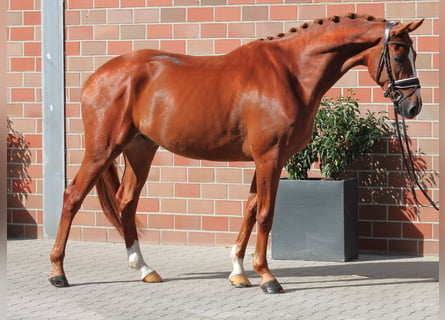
[196, 286]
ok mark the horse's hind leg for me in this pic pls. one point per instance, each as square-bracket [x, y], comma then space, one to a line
[74, 194]
[138, 157]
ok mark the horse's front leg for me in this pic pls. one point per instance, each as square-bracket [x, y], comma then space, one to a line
[268, 176]
[238, 277]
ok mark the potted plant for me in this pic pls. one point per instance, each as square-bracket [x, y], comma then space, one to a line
[316, 219]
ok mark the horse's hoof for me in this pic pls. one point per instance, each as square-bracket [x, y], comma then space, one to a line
[272, 287]
[240, 281]
[152, 277]
[59, 281]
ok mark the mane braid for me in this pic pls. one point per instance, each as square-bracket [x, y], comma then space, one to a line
[319, 22]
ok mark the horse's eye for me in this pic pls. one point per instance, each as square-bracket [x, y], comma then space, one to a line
[399, 59]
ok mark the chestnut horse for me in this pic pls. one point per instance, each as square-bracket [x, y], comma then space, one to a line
[256, 103]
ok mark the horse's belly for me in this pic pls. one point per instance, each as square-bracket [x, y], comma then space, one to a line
[204, 150]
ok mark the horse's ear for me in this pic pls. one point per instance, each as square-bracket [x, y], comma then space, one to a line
[409, 27]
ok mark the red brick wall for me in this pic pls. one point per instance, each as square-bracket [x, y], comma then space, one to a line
[199, 202]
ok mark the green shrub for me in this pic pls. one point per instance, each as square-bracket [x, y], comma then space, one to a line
[339, 137]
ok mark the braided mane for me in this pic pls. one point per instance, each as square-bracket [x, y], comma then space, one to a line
[335, 19]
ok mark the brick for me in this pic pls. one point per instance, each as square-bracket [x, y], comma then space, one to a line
[212, 223]
[31, 18]
[196, 14]
[364, 229]
[79, 4]
[80, 64]
[400, 10]
[148, 205]
[21, 5]
[150, 15]
[417, 230]
[241, 30]
[120, 16]
[119, 47]
[215, 191]
[72, 17]
[199, 47]
[14, 19]
[187, 190]
[161, 31]
[201, 174]
[283, 13]
[199, 206]
[373, 245]
[387, 229]
[229, 13]
[214, 30]
[160, 3]
[402, 213]
[23, 217]
[132, 3]
[404, 246]
[84, 219]
[106, 32]
[161, 221]
[174, 174]
[32, 49]
[132, 32]
[229, 207]
[173, 205]
[22, 94]
[80, 33]
[22, 64]
[187, 222]
[173, 15]
[429, 248]
[254, 13]
[106, 3]
[21, 33]
[311, 12]
[93, 48]
[223, 46]
[372, 212]
[374, 9]
[93, 16]
[189, 30]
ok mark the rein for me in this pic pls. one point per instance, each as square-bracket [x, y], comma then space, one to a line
[397, 98]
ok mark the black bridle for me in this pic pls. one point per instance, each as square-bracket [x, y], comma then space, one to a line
[397, 97]
[394, 86]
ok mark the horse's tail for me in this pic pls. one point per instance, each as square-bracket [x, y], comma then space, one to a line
[107, 186]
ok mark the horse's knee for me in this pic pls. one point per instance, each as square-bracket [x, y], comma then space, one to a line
[264, 220]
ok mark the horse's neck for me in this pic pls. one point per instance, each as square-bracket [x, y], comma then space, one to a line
[323, 56]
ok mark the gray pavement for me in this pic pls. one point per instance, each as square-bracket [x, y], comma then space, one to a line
[196, 286]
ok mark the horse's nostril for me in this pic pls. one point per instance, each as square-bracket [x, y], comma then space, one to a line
[412, 112]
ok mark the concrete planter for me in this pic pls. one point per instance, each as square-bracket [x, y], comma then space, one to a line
[315, 220]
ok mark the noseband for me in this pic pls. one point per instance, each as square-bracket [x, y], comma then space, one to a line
[394, 87]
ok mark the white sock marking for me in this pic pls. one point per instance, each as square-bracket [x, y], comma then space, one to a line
[237, 263]
[136, 261]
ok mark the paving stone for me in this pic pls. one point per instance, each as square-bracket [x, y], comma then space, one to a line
[196, 286]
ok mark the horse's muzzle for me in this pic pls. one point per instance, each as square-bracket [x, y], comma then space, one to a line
[411, 107]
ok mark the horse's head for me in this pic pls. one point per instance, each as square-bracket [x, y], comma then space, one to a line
[393, 68]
